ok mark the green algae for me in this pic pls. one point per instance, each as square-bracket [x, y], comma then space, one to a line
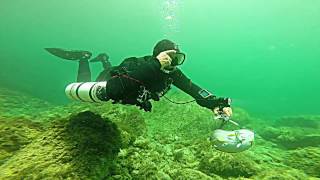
[20, 105]
[16, 134]
[82, 146]
[281, 174]
[94, 141]
[306, 159]
[291, 138]
[306, 121]
[228, 165]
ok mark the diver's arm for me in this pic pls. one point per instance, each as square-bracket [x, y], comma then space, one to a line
[185, 84]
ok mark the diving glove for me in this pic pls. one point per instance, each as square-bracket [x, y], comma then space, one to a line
[213, 101]
[208, 100]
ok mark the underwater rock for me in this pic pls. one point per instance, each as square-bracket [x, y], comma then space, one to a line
[266, 154]
[192, 174]
[185, 156]
[141, 142]
[306, 159]
[291, 138]
[128, 119]
[15, 134]
[242, 117]
[187, 121]
[175, 146]
[149, 159]
[228, 165]
[299, 121]
[81, 147]
[20, 105]
[281, 174]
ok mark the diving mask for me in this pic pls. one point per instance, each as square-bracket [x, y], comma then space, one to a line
[177, 58]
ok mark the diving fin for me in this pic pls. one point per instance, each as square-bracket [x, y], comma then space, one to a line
[69, 54]
[101, 57]
[104, 59]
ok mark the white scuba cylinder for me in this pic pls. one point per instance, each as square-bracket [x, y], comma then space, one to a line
[86, 91]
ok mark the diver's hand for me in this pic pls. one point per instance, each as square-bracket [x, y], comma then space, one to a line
[165, 59]
[226, 110]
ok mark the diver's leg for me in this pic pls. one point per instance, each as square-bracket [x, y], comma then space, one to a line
[105, 74]
[106, 65]
[84, 73]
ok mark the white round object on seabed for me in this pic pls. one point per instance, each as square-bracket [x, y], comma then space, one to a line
[232, 141]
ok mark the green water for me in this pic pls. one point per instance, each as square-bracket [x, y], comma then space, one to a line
[263, 54]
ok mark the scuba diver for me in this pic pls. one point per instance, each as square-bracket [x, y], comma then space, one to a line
[137, 80]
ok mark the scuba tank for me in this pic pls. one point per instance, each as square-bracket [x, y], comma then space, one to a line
[87, 91]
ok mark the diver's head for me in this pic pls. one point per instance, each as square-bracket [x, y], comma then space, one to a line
[177, 58]
[164, 45]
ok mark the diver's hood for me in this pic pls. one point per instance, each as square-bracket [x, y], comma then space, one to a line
[232, 141]
[164, 45]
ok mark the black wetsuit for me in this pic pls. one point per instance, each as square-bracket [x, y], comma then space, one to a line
[134, 76]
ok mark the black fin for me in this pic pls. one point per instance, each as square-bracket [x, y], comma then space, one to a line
[69, 54]
[101, 57]
[104, 59]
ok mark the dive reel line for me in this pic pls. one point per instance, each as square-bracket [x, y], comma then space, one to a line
[174, 102]
[225, 119]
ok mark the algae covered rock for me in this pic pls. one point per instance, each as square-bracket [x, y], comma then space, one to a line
[228, 165]
[306, 159]
[192, 174]
[168, 143]
[150, 159]
[82, 146]
[19, 104]
[299, 121]
[187, 120]
[281, 174]
[15, 134]
[291, 138]
[128, 119]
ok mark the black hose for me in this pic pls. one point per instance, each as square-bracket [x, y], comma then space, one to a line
[187, 102]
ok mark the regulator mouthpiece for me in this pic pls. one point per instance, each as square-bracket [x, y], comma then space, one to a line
[87, 91]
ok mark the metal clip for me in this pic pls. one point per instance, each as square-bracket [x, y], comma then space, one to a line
[144, 94]
[225, 119]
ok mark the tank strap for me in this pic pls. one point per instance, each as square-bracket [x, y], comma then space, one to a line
[128, 77]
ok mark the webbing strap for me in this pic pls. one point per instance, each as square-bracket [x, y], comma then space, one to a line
[128, 77]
